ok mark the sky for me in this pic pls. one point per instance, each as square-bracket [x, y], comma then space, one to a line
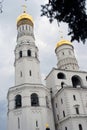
[46, 37]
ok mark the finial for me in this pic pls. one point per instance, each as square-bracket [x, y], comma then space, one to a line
[61, 34]
[24, 8]
[47, 125]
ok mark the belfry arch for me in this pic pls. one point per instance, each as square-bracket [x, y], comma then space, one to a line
[76, 81]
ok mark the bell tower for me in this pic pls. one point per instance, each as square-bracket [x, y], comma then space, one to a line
[26, 52]
[29, 101]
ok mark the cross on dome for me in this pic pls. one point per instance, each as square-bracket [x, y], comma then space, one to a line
[24, 8]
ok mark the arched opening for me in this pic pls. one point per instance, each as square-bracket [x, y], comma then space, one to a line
[34, 100]
[80, 127]
[61, 76]
[20, 54]
[18, 102]
[28, 52]
[86, 78]
[65, 128]
[76, 81]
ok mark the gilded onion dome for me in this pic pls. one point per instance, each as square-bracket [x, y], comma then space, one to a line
[24, 18]
[63, 42]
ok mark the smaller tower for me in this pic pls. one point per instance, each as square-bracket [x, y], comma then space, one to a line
[65, 56]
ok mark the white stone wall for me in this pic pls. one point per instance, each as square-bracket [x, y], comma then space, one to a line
[66, 57]
[53, 82]
[27, 114]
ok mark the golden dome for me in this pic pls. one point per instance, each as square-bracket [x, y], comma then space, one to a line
[63, 42]
[24, 16]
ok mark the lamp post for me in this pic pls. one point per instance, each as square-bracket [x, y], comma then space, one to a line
[47, 127]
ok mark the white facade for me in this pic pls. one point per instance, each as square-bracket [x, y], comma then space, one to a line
[69, 91]
[29, 101]
[62, 103]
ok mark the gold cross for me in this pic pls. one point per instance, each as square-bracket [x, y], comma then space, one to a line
[61, 34]
[24, 8]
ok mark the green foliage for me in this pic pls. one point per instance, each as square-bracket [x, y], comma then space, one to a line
[73, 12]
[1, 6]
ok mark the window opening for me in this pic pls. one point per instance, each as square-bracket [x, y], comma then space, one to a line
[58, 117]
[20, 54]
[47, 101]
[26, 27]
[36, 123]
[22, 27]
[80, 127]
[28, 52]
[60, 76]
[63, 113]
[34, 100]
[74, 97]
[76, 81]
[56, 105]
[35, 55]
[20, 73]
[18, 123]
[77, 110]
[30, 73]
[18, 103]
[61, 101]
[86, 78]
[65, 128]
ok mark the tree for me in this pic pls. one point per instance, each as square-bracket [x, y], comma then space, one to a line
[1, 6]
[73, 12]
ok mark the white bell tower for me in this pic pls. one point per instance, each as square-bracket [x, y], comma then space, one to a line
[29, 101]
[65, 56]
[27, 68]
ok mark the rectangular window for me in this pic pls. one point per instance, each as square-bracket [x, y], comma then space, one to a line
[61, 101]
[74, 97]
[58, 117]
[20, 73]
[56, 105]
[30, 73]
[77, 110]
[18, 123]
[36, 123]
[63, 113]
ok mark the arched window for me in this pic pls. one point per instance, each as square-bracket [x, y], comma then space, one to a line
[65, 128]
[76, 81]
[86, 78]
[34, 100]
[80, 127]
[18, 102]
[20, 54]
[61, 76]
[28, 52]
